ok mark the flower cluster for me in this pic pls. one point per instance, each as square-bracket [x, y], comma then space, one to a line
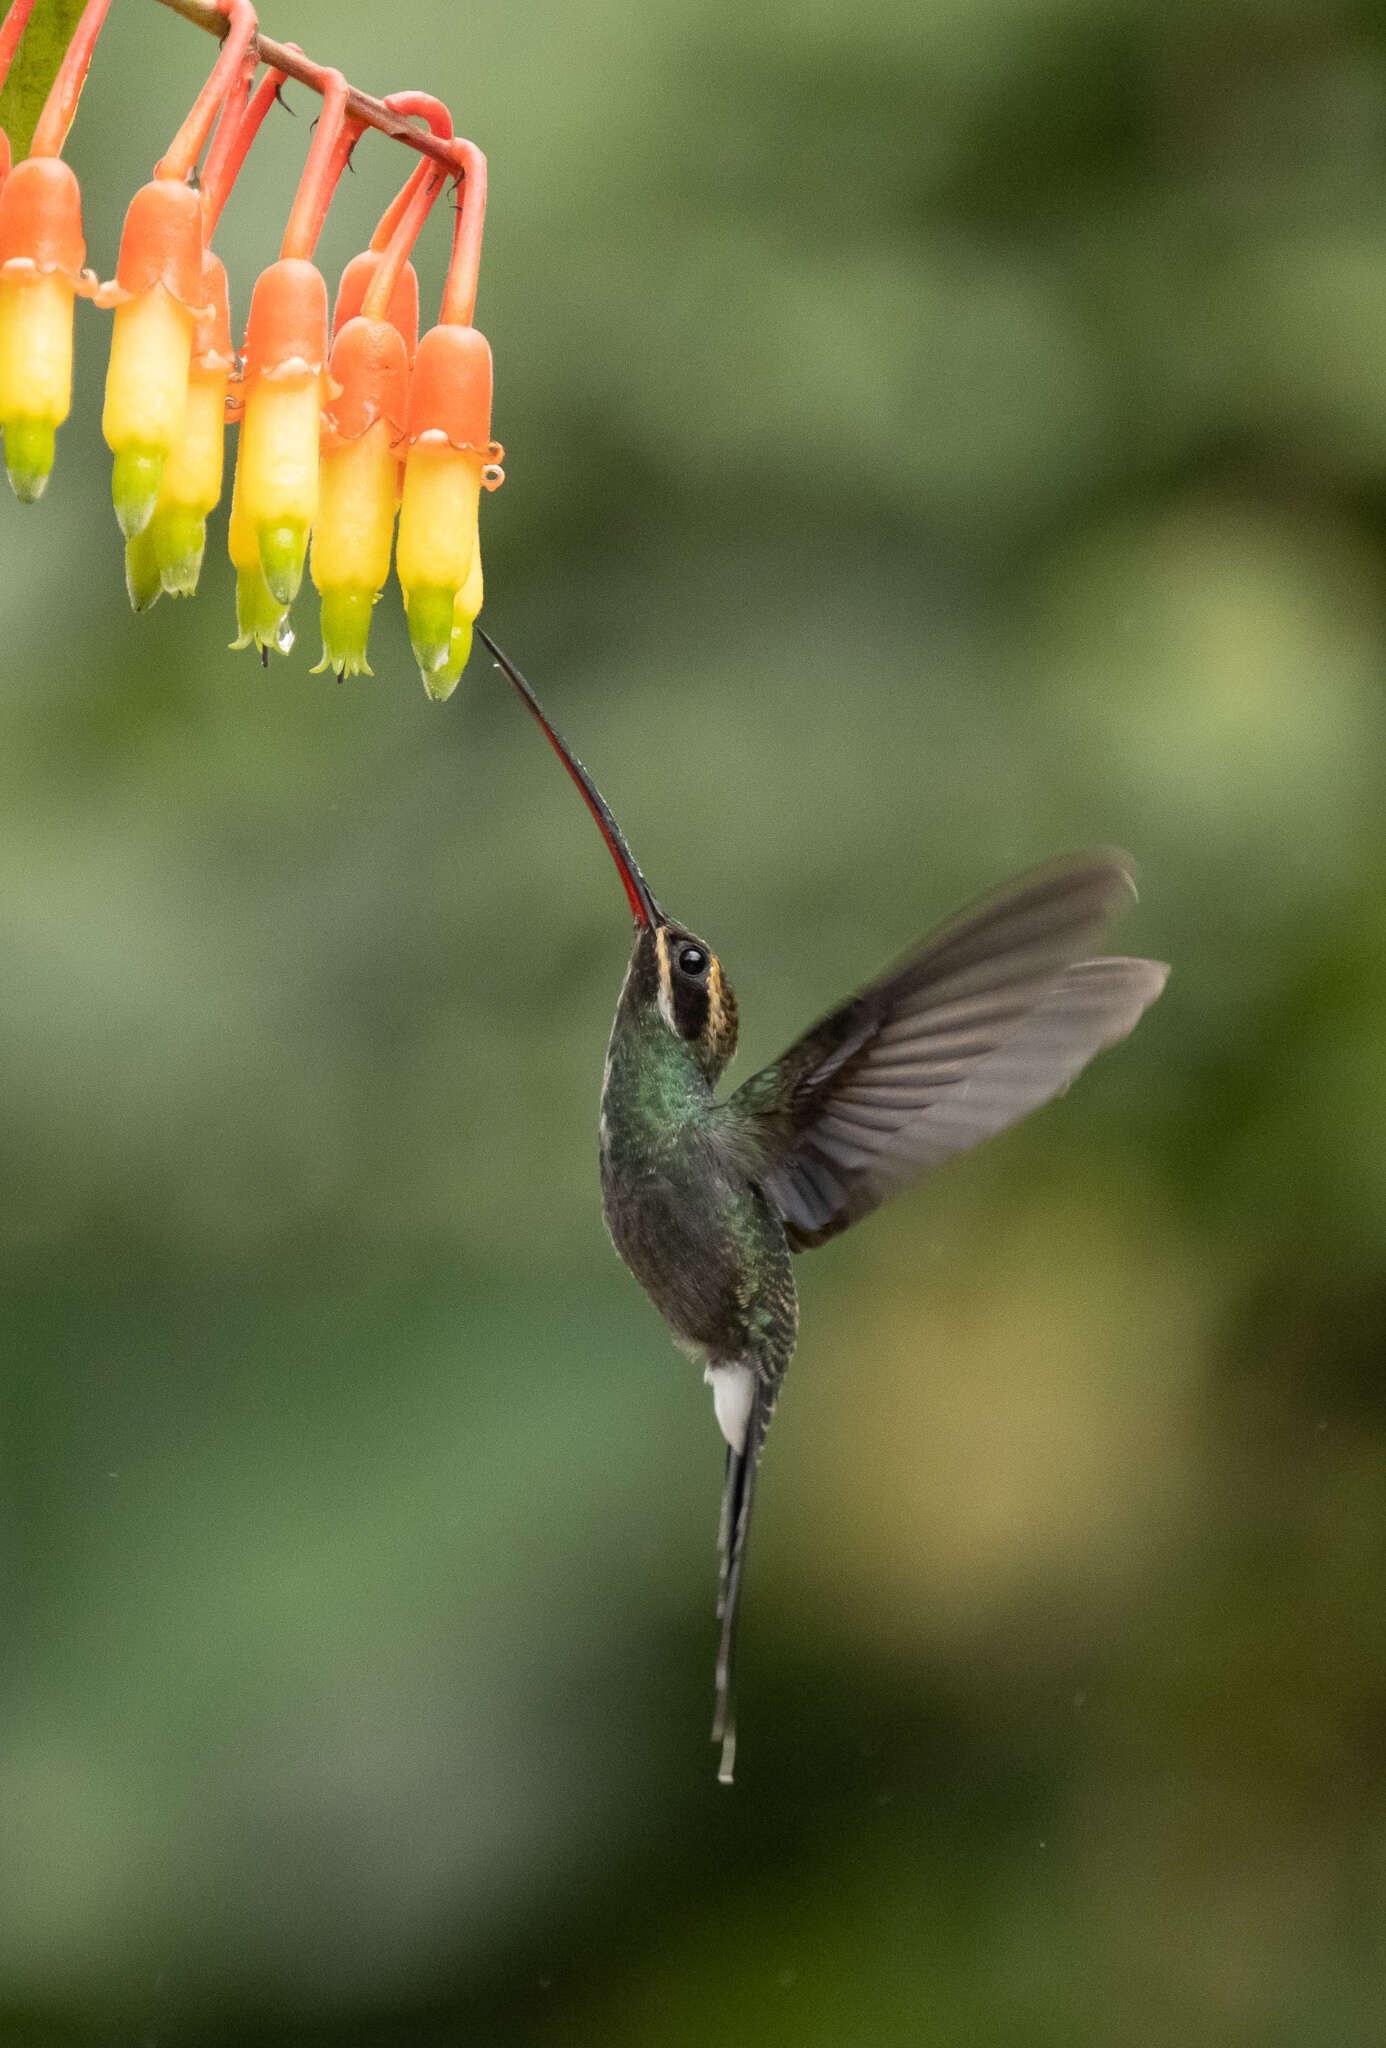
[342, 425]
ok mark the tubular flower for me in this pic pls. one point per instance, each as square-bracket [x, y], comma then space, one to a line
[375, 335]
[277, 464]
[359, 485]
[403, 313]
[450, 456]
[261, 619]
[191, 483]
[41, 255]
[157, 296]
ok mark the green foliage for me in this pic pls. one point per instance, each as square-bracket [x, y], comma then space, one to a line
[36, 62]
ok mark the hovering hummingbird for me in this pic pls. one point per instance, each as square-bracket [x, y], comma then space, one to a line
[990, 1015]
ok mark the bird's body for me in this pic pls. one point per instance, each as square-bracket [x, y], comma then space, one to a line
[679, 1183]
[686, 1211]
[988, 1017]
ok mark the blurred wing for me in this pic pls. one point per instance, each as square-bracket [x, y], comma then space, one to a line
[990, 1016]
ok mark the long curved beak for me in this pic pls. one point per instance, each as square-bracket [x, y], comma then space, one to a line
[644, 909]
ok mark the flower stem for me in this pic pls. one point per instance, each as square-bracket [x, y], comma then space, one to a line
[186, 146]
[401, 224]
[236, 130]
[428, 183]
[332, 144]
[361, 107]
[459, 294]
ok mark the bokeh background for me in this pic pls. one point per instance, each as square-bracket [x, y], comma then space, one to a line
[940, 433]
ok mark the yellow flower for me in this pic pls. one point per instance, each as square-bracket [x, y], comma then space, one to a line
[277, 461]
[450, 457]
[359, 485]
[191, 484]
[41, 254]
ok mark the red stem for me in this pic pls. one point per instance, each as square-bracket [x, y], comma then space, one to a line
[61, 104]
[394, 212]
[11, 29]
[459, 294]
[236, 130]
[427, 108]
[404, 217]
[427, 184]
[371, 113]
[186, 146]
[332, 145]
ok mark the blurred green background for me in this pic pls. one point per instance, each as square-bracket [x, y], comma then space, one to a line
[940, 433]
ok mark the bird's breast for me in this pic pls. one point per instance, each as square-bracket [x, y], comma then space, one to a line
[696, 1236]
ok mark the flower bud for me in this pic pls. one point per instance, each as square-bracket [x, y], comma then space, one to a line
[192, 473]
[358, 485]
[277, 462]
[41, 255]
[403, 310]
[157, 295]
[449, 458]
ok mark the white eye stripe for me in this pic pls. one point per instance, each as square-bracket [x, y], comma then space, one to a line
[665, 998]
[716, 1013]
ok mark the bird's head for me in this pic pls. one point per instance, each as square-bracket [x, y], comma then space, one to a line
[681, 978]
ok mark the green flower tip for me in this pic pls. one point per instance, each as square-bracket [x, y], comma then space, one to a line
[346, 623]
[282, 552]
[142, 572]
[441, 682]
[178, 538]
[259, 618]
[430, 626]
[29, 446]
[135, 480]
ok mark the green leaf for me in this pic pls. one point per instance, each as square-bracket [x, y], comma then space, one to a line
[35, 66]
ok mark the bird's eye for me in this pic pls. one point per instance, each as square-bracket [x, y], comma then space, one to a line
[692, 960]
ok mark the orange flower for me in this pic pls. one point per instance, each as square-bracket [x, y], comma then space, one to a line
[450, 454]
[359, 485]
[41, 256]
[157, 296]
[192, 473]
[277, 464]
[403, 310]
[450, 457]
[376, 326]
[276, 490]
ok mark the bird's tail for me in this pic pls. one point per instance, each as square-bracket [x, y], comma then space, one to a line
[738, 1498]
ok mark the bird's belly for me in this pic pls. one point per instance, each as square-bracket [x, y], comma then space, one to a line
[688, 1255]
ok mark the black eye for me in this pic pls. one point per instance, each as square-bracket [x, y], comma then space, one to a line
[692, 960]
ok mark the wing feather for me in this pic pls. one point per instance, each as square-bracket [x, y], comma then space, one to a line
[992, 1015]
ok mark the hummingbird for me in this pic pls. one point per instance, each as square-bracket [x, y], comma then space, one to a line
[708, 1200]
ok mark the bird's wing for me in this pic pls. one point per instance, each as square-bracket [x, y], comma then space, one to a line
[989, 1016]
